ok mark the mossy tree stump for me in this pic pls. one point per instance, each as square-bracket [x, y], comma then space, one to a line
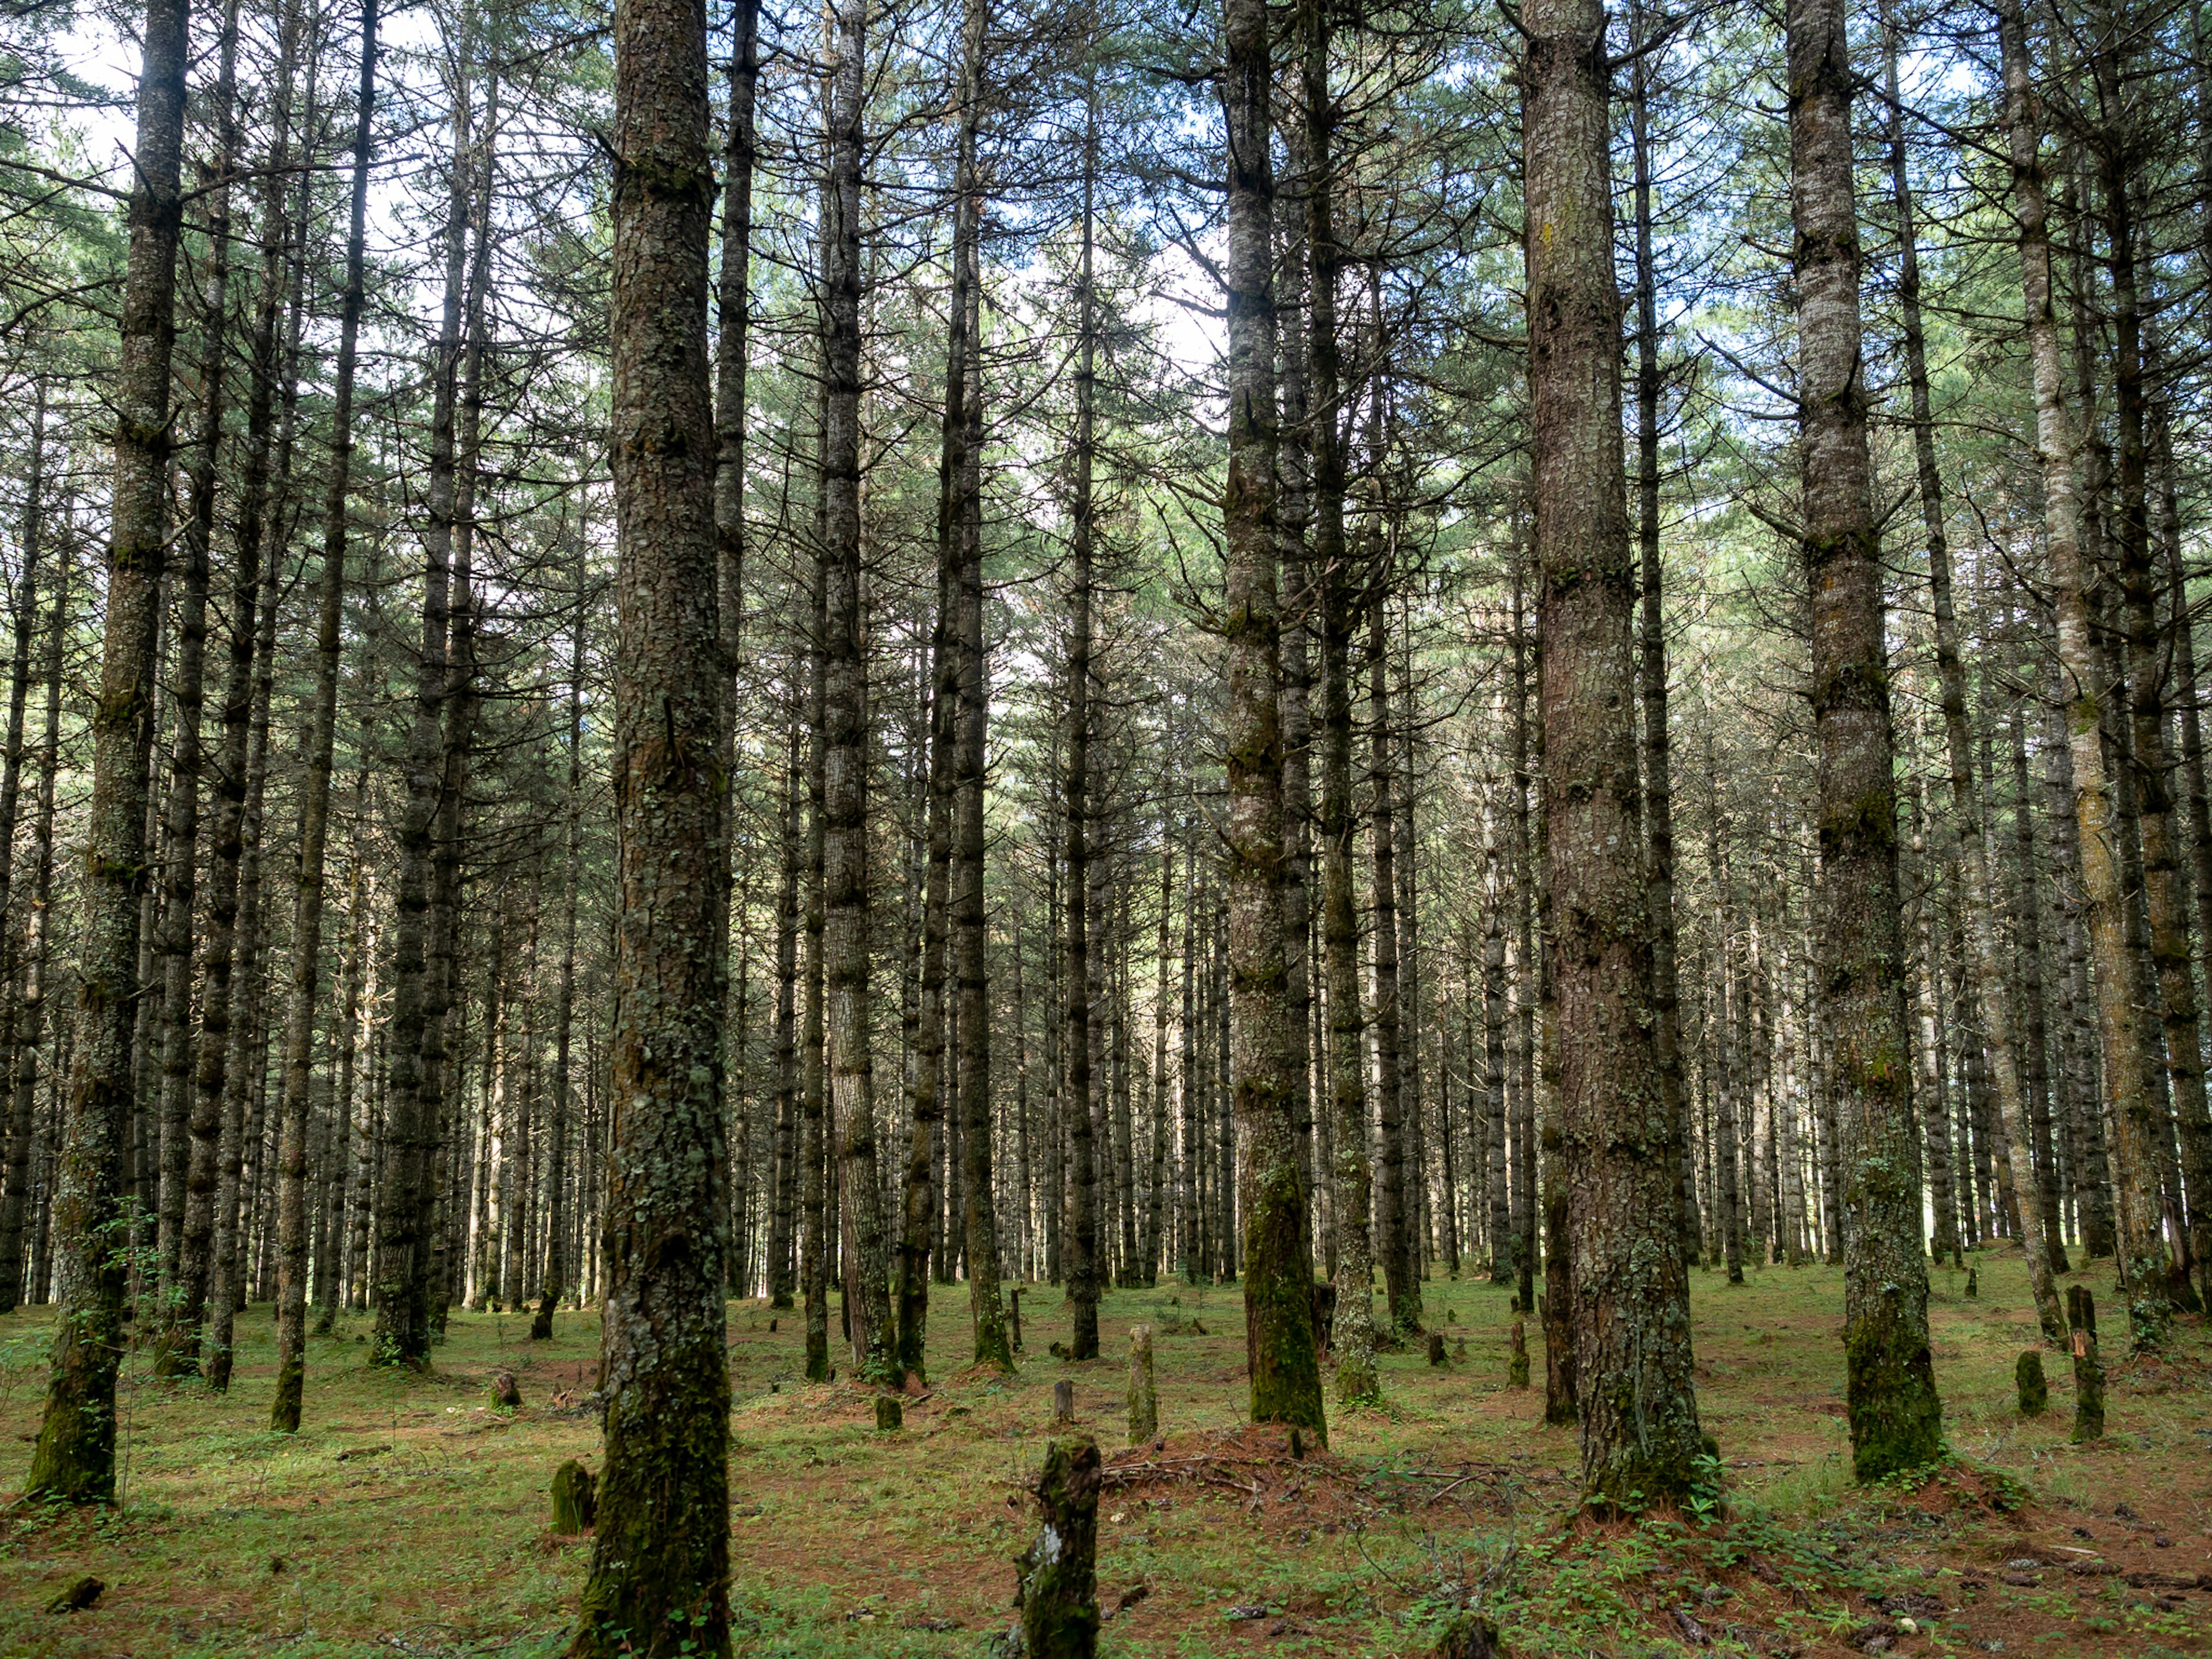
[1469, 1636]
[890, 1415]
[2027, 1377]
[1058, 1588]
[2088, 1370]
[1516, 1371]
[1144, 1397]
[1063, 1403]
[575, 1500]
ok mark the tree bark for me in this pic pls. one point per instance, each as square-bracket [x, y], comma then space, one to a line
[2140, 1241]
[845, 783]
[1896, 1417]
[1080, 1241]
[1631, 1319]
[315, 803]
[659, 1583]
[1279, 1331]
[28, 1009]
[75, 1458]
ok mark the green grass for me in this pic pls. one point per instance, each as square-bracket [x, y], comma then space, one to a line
[430, 1537]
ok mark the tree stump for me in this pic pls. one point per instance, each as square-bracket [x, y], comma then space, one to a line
[1973, 1283]
[1058, 1588]
[890, 1415]
[78, 1597]
[575, 1500]
[1014, 1315]
[1469, 1636]
[1435, 1348]
[1063, 1404]
[2027, 1377]
[2089, 1370]
[1516, 1372]
[1143, 1398]
[504, 1394]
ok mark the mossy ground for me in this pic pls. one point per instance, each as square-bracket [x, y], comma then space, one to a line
[409, 1518]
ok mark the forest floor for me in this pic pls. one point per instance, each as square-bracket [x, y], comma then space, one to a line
[409, 1518]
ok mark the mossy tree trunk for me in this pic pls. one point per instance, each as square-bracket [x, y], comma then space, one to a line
[75, 1458]
[1896, 1417]
[1630, 1291]
[1277, 1253]
[659, 1583]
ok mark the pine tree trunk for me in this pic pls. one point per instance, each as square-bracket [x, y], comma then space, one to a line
[2166, 881]
[1652, 688]
[782, 1278]
[433, 1258]
[1279, 1331]
[27, 1011]
[1079, 1242]
[659, 1571]
[556, 1285]
[403, 1319]
[173, 949]
[75, 1458]
[1630, 1316]
[845, 788]
[314, 803]
[1896, 1417]
[2140, 1242]
[1976, 837]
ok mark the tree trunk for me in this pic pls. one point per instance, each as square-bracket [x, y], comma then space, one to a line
[174, 950]
[660, 1573]
[2140, 1241]
[315, 803]
[1896, 1417]
[1652, 688]
[1640, 1435]
[403, 1319]
[1994, 1002]
[28, 1009]
[557, 1271]
[1079, 1242]
[75, 1458]
[845, 786]
[1278, 1333]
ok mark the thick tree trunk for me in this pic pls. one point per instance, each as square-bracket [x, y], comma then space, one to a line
[75, 1458]
[1640, 1437]
[1279, 1331]
[1896, 1417]
[660, 1574]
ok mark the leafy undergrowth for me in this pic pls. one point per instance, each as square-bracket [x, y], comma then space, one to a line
[409, 1516]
